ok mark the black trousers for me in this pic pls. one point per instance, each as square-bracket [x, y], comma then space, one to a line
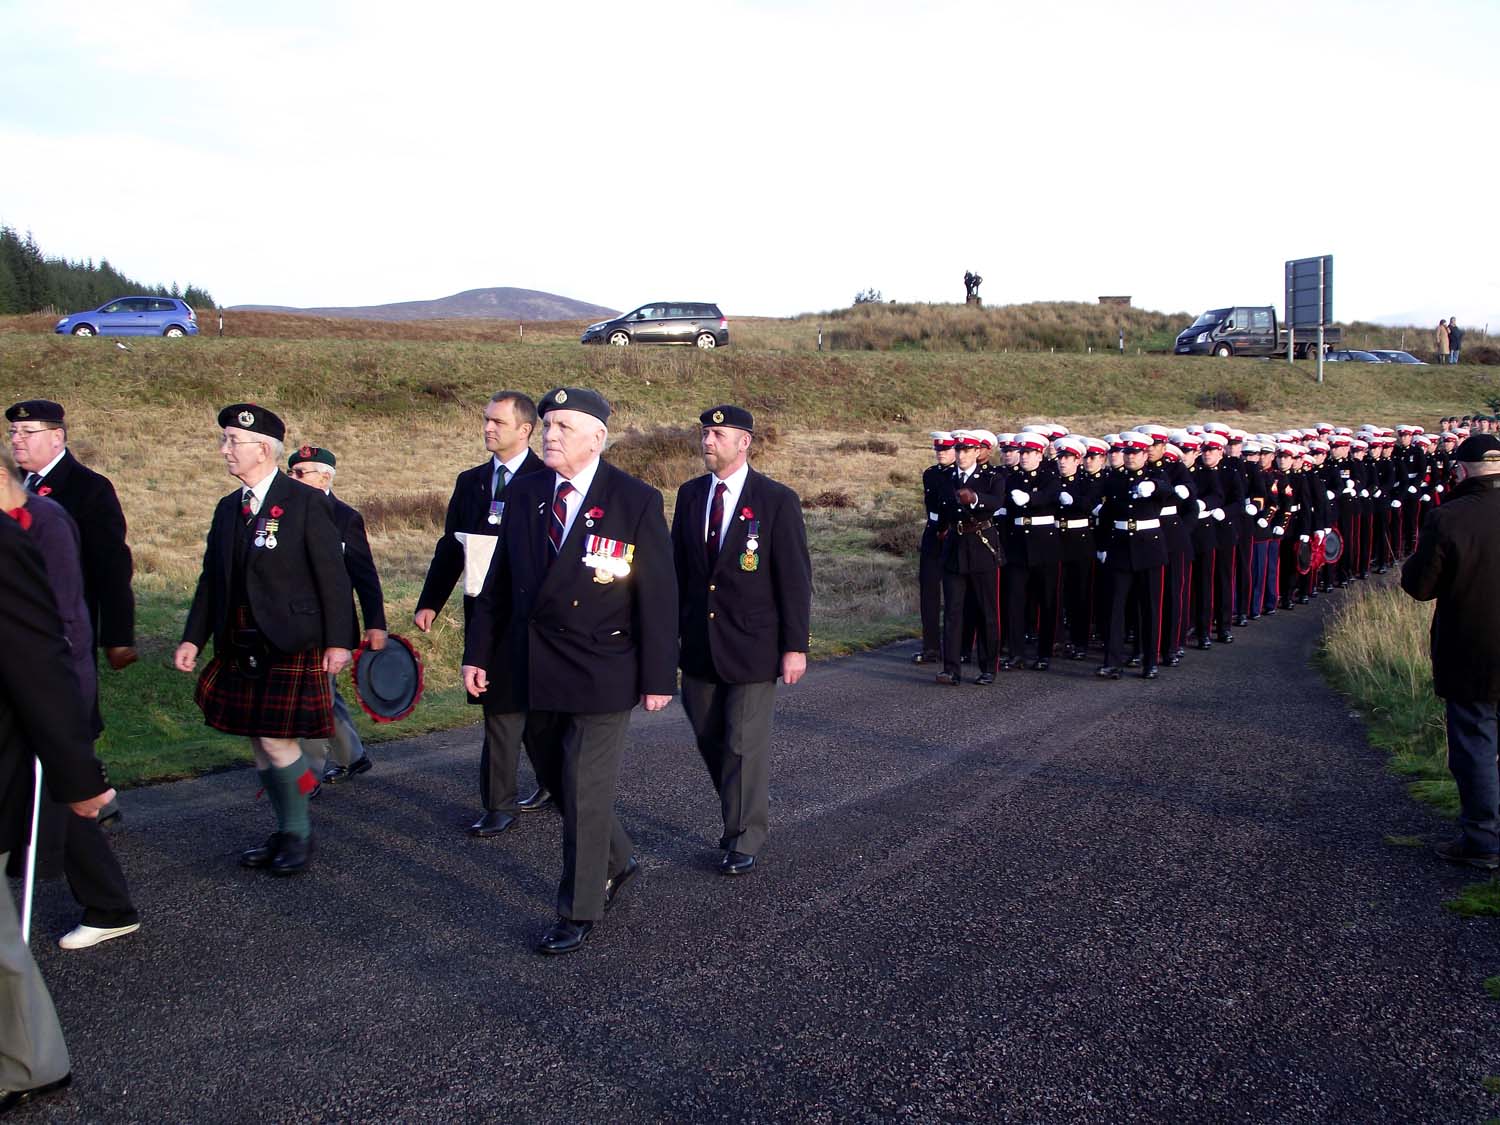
[930, 599]
[504, 736]
[1242, 572]
[78, 849]
[1144, 587]
[973, 596]
[1176, 602]
[1076, 600]
[578, 759]
[732, 725]
[1030, 589]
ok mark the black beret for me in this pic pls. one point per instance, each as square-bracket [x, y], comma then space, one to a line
[575, 398]
[255, 419]
[1480, 447]
[35, 410]
[736, 416]
[313, 453]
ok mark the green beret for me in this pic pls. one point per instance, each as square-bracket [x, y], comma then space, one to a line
[312, 453]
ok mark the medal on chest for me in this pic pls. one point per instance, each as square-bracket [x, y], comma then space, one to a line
[608, 558]
[265, 533]
[497, 512]
[750, 557]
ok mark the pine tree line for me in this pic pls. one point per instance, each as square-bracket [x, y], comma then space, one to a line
[30, 282]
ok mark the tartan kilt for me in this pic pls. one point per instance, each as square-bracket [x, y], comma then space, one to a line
[292, 699]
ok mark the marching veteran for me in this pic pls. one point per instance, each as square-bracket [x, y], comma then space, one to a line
[276, 599]
[315, 466]
[744, 592]
[575, 625]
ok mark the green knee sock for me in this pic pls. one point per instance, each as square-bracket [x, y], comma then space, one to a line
[291, 811]
[268, 784]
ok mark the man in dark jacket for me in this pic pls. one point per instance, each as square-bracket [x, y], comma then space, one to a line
[744, 593]
[477, 508]
[967, 499]
[575, 625]
[42, 714]
[1457, 562]
[315, 467]
[930, 552]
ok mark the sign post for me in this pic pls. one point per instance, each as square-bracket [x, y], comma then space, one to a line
[1309, 301]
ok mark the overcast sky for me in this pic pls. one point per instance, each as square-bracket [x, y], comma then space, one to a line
[776, 157]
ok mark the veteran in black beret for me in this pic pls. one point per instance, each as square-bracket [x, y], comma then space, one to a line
[575, 625]
[1457, 564]
[275, 597]
[744, 595]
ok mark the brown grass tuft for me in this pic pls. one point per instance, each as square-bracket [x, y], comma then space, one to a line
[830, 498]
[879, 446]
[405, 512]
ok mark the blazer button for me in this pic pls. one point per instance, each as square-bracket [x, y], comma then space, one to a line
[575, 603]
[710, 616]
[712, 588]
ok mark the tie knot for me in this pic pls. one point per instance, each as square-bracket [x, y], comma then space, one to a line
[723, 488]
[564, 490]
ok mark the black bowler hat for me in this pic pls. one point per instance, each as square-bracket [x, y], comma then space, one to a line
[388, 681]
[312, 453]
[1480, 447]
[575, 398]
[35, 410]
[736, 416]
[254, 419]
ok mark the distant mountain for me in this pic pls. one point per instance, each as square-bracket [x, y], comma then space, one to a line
[486, 304]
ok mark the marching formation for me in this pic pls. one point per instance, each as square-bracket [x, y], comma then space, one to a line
[1147, 540]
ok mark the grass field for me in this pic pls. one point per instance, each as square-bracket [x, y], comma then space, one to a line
[402, 407]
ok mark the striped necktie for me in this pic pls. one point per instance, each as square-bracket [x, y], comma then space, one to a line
[559, 517]
[32, 481]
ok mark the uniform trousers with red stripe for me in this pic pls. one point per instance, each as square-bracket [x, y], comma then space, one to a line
[1075, 602]
[1176, 601]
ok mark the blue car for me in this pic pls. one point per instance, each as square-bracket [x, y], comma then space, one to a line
[133, 316]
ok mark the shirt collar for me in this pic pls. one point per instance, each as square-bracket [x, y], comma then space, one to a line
[736, 480]
[513, 466]
[263, 487]
[52, 464]
[582, 482]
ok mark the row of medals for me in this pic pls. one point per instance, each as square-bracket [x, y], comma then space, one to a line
[265, 534]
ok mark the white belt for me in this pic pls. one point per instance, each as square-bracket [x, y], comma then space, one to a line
[1074, 525]
[1030, 521]
[932, 516]
[1136, 525]
[1169, 510]
[1204, 515]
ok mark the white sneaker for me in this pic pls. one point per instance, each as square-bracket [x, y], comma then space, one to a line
[82, 937]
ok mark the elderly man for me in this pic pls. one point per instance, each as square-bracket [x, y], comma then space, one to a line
[315, 467]
[576, 624]
[744, 584]
[1457, 562]
[275, 597]
[477, 507]
[42, 714]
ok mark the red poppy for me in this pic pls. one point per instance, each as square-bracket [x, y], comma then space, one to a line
[45, 490]
[746, 514]
[276, 511]
[594, 513]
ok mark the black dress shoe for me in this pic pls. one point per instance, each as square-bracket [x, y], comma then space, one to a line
[335, 774]
[946, 678]
[1149, 672]
[13, 1099]
[985, 679]
[1174, 660]
[293, 856]
[263, 855]
[616, 883]
[492, 824]
[1039, 665]
[1205, 643]
[364, 765]
[566, 936]
[541, 799]
[736, 863]
[1007, 664]
[1108, 673]
[1133, 662]
[1226, 638]
[1269, 612]
[1079, 654]
[1241, 621]
[1303, 600]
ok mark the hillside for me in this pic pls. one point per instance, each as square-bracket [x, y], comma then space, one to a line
[489, 304]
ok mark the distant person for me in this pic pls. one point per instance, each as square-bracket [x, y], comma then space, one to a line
[1442, 341]
[1455, 339]
[478, 507]
[315, 467]
[1457, 562]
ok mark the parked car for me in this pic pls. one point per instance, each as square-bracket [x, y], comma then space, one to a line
[1353, 355]
[133, 316]
[1387, 355]
[663, 322]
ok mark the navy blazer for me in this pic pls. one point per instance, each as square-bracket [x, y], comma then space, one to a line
[360, 563]
[468, 511]
[90, 499]
[735, 623]
[299, 592]
[552, 637]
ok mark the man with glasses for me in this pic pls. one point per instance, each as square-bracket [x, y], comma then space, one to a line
[39, 443]
[478, 508]
[276, 599]
[315, 467]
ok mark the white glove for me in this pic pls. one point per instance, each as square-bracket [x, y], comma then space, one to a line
[1065, 498]
[1278, 531]
[1020, 498]
[1182, 491]
[1218, 514]
[1364, 493]
[1261, 523]
[1438, 489]
[1395, 503]
[1250, 508]
[1412, 489]
[1145, 488]
[1330, 494]
[1425, 498]
[1202, 506]
[1099, 507]
[1304, 538]
[1101, 555]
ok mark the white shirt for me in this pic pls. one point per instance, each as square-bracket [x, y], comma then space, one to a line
[259, 491]
[581, 484]
[736, 482]
[50, 465]
[512, 467]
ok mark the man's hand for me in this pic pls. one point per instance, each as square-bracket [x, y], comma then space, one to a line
[186, 657]
[335, 660]
[375, 639]
[424, 618]
[655, 702]
[966, 497]
[476, 680]
[121, 656]
[90, 809]
[793, 667]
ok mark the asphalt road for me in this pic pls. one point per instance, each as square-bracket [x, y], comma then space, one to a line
[1056, 899]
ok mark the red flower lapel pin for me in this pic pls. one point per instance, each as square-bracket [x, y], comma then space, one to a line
[595, 513]
[746, 514]
[276, 511]
[45, 490]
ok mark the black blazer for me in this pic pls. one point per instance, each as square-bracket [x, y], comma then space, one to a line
[42, 712]
[554, 639]
[468, 511]
[735, 623]
[360, 564]
[90, 499]
[972, 544]
[299, 592]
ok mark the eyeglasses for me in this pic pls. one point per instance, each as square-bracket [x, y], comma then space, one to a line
[17, 432]
[224, 439]
[299, 473]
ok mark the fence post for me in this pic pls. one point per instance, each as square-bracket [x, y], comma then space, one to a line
[820, 337]
[1122, 341]
[221, 323]
[521, 335]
